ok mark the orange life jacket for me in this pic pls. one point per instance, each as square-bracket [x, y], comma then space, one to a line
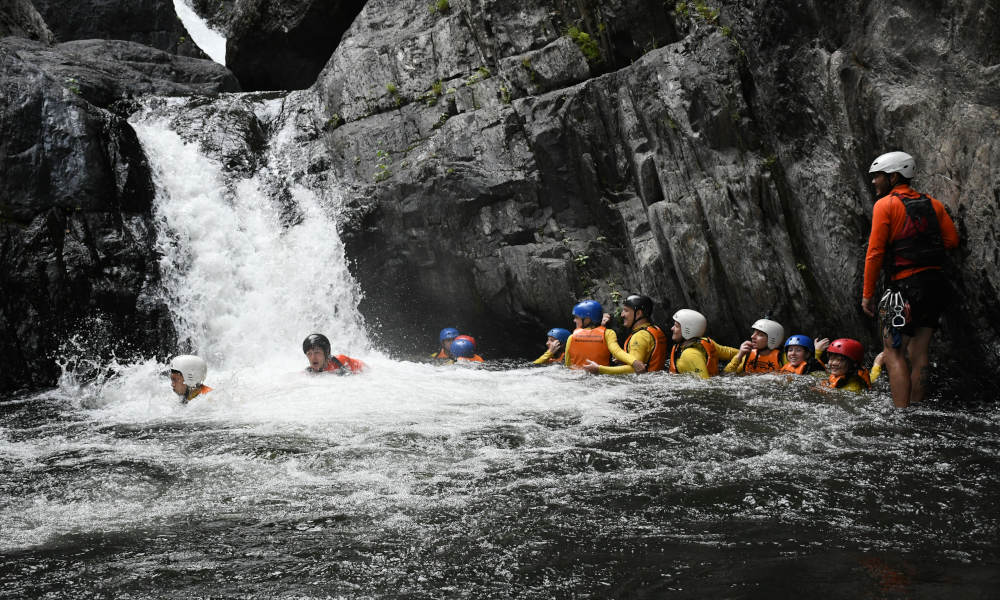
[755, 363]
[473, 358]
[805, 367]
[341, 364]
[202, 389]
[441, 354]
[658, 357]
[836, 382]
[706, 345]
[589, 344]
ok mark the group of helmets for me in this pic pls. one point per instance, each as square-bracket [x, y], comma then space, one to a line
[462, 346]
[693, 325]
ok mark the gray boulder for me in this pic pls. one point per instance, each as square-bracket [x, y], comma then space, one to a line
[19, 18]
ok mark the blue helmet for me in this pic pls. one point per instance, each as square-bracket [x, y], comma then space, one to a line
[462, 349]
[560, 334]
[589, 309]
[801, 340]
[448, 333]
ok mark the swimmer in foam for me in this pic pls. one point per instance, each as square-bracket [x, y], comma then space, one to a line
[187, 376]
[316, 347]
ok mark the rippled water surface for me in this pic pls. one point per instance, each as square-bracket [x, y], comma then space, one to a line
[416, 481]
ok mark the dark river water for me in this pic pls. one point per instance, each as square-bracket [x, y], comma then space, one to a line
[415, 481]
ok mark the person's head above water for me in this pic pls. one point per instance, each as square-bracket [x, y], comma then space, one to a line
[559, 334]
[187, 373]
[462, 348]
[635, 309]
[587, 313]
[766, 334]
[890, 170]
[688, 324]
[844, 356]
[798, 348]
[316, 347]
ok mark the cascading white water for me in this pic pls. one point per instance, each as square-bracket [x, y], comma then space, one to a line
[243, 287]
[210, 41]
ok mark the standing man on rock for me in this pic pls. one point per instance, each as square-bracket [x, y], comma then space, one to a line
[909, 236]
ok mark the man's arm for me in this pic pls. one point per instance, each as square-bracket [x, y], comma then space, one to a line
[877, 241]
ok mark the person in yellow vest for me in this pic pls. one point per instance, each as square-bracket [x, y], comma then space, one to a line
[646, 344]
[591, 340]
[555, 346]
[692, 351]
[446, 337]
[187, 377]
[844, 357]
[760, 354]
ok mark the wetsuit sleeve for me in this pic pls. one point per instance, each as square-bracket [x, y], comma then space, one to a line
[875, 372]
[693, 361]
[611, 341]
[725, 352]
[735, 365]
[569, 342]
[949, 235]
[543, 359]
[640, 348]
[877, 241]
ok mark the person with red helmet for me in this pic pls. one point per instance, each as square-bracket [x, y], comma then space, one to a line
[468, 342]
[910, 233]
[844, 358]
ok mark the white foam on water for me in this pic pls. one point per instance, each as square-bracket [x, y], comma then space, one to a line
[209, 40]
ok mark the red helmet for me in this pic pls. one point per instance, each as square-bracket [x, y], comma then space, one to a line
[852, 349]
[468, 337]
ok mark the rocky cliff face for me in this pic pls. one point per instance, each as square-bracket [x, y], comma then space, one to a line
[149, 22]
[505, 159]
[76, 238]
[711, 157]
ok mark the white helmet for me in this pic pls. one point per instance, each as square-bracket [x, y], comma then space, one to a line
[895, 162]
[191, 367]
[693, 323]
[773, 329]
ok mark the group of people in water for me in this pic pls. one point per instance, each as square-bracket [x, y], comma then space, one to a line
[909, 236]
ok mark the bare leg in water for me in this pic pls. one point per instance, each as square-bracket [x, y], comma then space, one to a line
[918, 350]
[899, 372]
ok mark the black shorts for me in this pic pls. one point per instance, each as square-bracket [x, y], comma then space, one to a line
[928, 293]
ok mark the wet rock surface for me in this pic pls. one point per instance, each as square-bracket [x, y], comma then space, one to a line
[149, 22]
[504, 172]
[502, 160]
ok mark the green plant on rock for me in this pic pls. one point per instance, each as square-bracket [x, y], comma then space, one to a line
[587, 45]
[709, 14]
[480, 74]
[333, 122]
[72, 85]
[504, 94]
[681, 9]
[581, 259]
[441, 6]
[383, 162]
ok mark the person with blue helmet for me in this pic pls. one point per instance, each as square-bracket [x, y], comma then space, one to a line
[646, 345]
[592, 340]
[802, 354]
[464, 350]
[446, 337]
[556, 344]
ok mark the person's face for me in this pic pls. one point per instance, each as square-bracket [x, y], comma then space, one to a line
[838, 364]
[675, 332]
[550, 340]
[316, 358]
[796, 355]
[882, 182]
[759, 339]
[447, 344]
[177, 383]
[628, 316]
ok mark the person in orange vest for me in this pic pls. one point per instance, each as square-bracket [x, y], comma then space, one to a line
[692, 351]
[187, 376]
[910, 233]
[803, 353]
[646, 345]
[760, 354]
[591, 340]
[555, 344]
[463, 349]
[316, 347]
[844, 358]
[447, 335]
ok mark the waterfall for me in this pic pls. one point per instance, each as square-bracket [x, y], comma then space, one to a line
[210, 41]
[251, 258]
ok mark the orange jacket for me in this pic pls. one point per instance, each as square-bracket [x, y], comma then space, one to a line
[588, 344]
[658, 357]
[473, 358]
[888, 220]
[805, 367]
[707, 345]
[755, 363]
[342, 361]
[859, 377]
